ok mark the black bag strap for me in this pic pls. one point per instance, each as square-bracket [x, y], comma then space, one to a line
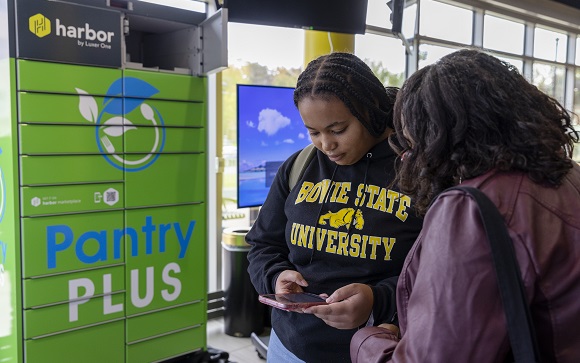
[521, 330]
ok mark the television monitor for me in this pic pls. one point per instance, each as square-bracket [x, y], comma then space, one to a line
[340, 16]
[270, 129]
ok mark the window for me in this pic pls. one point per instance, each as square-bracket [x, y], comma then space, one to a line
[550, 45]
[385, 56]
[267, 45]
[578, 51]
[550, 79]
[378, 14]
[257, 54]
[503, 35]
[518, 63]
[409, 20]
[577, 93]
[447, 22]
[274, 56]
[429, 54]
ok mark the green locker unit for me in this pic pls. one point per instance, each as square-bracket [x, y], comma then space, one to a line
[103, 175]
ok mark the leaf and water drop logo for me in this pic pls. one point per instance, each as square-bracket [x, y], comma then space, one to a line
[116, 130]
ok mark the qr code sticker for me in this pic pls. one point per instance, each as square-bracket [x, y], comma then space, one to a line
[111, 196]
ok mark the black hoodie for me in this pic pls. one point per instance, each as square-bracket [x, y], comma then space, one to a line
[365, 245]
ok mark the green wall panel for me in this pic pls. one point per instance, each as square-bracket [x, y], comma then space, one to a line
[64, 78]
[46, 200]
[172, 179]
[112, 190]
[172, 113]
[55, 289]
[175, 140]
[98, 344]
[56, 108]
[171, 86]
[167, 346]
[56, 139]
[165, 321]
[166, 257]
[72, 242]
[74, 314]
[67, 169]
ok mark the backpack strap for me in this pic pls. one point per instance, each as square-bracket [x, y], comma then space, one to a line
[521, 330]
[300, 164]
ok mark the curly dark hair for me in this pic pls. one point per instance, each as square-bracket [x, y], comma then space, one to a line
[469, 113]
[348, 78]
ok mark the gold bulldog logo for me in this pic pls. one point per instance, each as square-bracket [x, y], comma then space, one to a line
[343, 217]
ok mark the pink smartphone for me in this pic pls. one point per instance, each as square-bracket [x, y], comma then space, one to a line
[292, 301]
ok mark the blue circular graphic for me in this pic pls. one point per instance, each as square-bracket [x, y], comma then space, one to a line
[120, 164]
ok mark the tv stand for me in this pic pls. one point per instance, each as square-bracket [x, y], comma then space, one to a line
[254, 214]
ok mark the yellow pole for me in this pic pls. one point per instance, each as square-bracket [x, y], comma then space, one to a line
[317, 43]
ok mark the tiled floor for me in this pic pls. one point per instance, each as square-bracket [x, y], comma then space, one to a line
[241, 350]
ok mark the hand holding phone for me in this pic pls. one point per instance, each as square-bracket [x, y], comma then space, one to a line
[292, 301]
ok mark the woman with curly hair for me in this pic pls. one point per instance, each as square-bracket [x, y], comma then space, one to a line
[473, 120]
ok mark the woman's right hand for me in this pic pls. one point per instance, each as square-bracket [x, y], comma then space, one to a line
[290, 281]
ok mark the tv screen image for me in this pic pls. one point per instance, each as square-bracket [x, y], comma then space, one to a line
[270, 129]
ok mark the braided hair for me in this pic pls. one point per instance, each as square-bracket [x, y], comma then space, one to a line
[347, 77]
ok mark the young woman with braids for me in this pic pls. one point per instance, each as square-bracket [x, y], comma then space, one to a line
[341, 232]
[472, 119]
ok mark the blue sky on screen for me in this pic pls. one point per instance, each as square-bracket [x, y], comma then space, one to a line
[269, 125]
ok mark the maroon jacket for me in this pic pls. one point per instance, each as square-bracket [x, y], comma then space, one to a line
[447, 295]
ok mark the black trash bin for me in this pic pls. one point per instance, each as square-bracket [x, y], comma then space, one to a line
[243, 314]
